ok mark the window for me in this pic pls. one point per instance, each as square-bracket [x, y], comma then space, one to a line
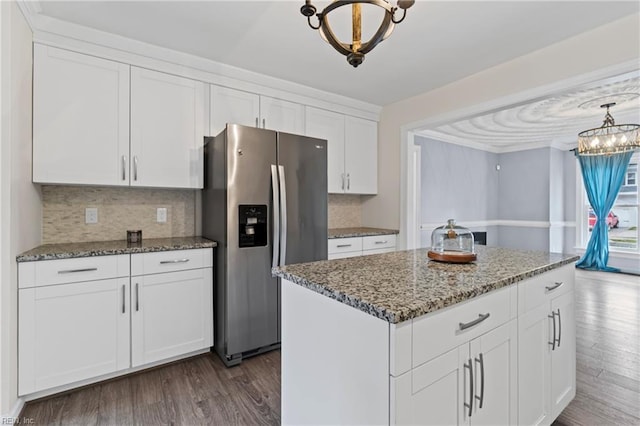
[622, 220]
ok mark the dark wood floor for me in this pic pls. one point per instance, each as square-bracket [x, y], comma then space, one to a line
[202, 391]
[196, 391]
[607, 351]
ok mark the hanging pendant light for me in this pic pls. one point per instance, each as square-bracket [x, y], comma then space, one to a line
[610, 138]
[356, 49]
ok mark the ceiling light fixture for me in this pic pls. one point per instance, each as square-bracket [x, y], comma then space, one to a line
[355, 50]
[610, 138]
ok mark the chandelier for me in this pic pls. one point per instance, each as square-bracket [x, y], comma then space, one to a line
[610, 138]
[356, 49]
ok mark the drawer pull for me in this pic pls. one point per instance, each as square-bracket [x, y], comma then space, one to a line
[73, 271]
[137, 299]
[343, 245]
[164, 262]
[123, 298]
[382, 242]
[554, 340]
[471, 389]
[553, 287]
[481, 317]
[480, 398]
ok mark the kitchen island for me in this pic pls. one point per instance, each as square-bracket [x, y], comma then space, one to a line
[398, 339]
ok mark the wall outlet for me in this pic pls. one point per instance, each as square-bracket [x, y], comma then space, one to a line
[161, 215]
[91, 215]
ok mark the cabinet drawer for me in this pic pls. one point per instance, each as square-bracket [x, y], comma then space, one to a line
[434, 334]
[378, 242]
[343, 245]
[62, 271]
[170, 261]
[542, 288]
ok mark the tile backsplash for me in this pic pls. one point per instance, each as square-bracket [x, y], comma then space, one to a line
[119, 209]
[345, 211]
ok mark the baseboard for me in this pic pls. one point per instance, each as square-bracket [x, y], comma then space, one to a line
[13, 416]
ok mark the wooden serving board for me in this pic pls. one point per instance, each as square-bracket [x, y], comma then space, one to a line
[451, 256]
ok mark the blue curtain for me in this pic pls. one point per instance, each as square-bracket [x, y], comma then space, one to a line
[602, 176]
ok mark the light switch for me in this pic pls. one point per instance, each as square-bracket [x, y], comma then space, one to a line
[91, 215]
[161, 215]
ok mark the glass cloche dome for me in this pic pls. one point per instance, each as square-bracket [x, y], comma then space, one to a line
[452, 243]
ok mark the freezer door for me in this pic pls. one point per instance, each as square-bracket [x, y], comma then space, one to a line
[302, 164]
[252, 293]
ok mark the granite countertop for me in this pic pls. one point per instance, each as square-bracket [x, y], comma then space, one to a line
[359, 232]
[403, 285]
[104, 248]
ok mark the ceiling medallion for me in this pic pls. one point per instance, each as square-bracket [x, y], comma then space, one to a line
[610, 138]
[355, 50]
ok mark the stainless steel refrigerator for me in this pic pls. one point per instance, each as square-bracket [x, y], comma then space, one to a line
[265, 203]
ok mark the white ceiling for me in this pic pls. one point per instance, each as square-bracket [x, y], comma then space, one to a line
[438, 43]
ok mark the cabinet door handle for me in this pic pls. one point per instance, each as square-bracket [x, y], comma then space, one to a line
[382, 242]
[553, 341]
[348, 181]
[559, 328]
[554, 286]
[481, 317]
[137, 299]
[164, 262]
[73, 271]
[343, 245]
[264, 123]
[257, 125]
[135, 167]
[480, 360]
[342, 177]
[123, 296]
[124, 167]
[471, 390]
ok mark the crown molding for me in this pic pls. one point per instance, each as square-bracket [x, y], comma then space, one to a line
[82, 39]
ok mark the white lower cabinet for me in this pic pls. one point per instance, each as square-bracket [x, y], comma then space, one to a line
[72, 332]
[171, 314]
[546, 347]
[73, 327]
[340, 248]
[474, 383]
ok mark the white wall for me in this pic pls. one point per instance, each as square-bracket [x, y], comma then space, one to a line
[615, 43]
[21, 214]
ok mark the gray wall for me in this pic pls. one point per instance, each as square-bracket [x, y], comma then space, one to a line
[524, 185]
[457, 182]
[535, 185]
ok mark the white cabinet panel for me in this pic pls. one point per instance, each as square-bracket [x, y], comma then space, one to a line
[233, 107]
[281, 115]
[430, 394]
[172, 314]
[80, 118]
[323, 124]
[72, 332]
[361, 156]
[378, 242]
[533, 359]
[168, 116]
[563, 357]
[170, 261]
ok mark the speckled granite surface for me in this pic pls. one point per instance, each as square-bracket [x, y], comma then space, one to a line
[103, 248]
[359, 232]
[405, 284]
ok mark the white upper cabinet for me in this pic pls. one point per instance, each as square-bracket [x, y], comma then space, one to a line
[280, 115]
[352, 163]
[323, 124]
[234, 107]
[80, 119]
[168, 116]
[250, 109]
[100, 122]
[361, 156]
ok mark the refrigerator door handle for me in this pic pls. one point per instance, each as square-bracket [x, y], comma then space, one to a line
[276, 216]
[283, 216]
